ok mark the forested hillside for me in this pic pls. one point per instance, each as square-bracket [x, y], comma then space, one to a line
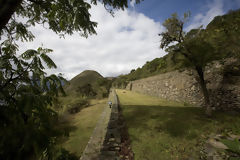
[224, 38]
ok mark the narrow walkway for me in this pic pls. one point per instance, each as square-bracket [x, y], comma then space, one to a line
[103, 143]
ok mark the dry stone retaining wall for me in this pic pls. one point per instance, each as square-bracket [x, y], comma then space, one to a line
[183, 86]
[105, 142]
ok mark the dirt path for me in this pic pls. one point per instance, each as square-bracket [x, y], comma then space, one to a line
[105, 139]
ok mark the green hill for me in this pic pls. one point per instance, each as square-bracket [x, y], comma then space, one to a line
[88, 79]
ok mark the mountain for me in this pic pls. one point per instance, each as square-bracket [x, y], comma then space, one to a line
[86, 77]
[88, 81]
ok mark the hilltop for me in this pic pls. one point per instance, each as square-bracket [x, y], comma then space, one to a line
[97, 82]
[85, 77]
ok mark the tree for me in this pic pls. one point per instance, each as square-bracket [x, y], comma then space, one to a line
[62, 16]
[27, 120]
[105, 83]
[86, 90]
[194, 47]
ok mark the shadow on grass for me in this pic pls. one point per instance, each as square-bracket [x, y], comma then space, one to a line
[185, 122]
[64, 129]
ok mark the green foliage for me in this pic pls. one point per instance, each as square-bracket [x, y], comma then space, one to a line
[120, 82]
[195, 48]
[84, 78]
[65, 155]
[224, 33]
[89, 83]
[26, 93]
[234, 146]
[154, 67]
[105, 83]
[174, 27]
[86, 91]
[61, 16]
[77, 105]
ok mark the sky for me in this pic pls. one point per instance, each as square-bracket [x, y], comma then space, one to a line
[123, 42]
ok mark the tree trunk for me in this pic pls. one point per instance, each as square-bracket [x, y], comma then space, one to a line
[7, 9]
[204, 91]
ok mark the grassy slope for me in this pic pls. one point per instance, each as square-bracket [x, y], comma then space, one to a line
[86, 77]
[161, 130]
[81, 126]
[82, 79]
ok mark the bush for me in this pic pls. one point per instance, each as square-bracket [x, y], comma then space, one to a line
[77, 106]
[65, 155]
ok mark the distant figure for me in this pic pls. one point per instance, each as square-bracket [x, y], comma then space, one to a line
[110, 104]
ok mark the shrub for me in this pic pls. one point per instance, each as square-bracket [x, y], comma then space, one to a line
[76, 106]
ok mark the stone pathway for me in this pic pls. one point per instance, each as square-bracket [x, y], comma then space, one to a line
[111, 145]
[105, 139]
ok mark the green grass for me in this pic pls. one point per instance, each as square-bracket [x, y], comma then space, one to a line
[161, 130]
[81, 126]
[133, 98]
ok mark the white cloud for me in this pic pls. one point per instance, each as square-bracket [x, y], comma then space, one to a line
[214, 8]
[124, 42]
[132, 3]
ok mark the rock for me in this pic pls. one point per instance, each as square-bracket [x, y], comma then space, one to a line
[234, 136]
[166, 84]
[210, 158]
[111, 139]
[217, 157]
[219, 136]
[115, 144]
[217, 144]
[117, 148]
[209, 150]
[193, 88]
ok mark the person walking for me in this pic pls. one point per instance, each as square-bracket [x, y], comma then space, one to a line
[110, 104]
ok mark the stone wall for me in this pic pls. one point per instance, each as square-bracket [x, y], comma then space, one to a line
[223, 83]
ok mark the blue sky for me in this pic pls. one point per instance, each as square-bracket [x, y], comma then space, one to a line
[159, 10]
[126, 41]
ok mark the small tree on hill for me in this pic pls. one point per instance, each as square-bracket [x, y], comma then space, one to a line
[196, 50]
[86, 90]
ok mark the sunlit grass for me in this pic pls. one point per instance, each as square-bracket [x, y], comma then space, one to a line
[132, 98]
[81, 126]
[161, 130]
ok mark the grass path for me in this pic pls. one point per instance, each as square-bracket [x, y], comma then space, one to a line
[161, 130]
[81, 126]
[93, 150]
